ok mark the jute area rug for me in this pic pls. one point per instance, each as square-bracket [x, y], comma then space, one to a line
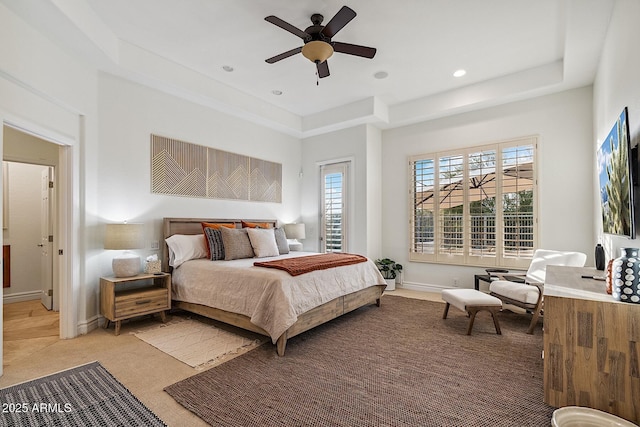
[197, 341]
[399, 364]
[87, 395]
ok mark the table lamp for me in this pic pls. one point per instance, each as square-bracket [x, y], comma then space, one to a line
[124, 237]
[293, 233]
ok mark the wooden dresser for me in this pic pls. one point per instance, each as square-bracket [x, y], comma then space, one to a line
[591, 345]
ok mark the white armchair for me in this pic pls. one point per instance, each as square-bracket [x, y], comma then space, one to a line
[528, 295]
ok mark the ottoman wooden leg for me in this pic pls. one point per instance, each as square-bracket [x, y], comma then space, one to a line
[472, 316]
[495, 321]
[446, 311]
[472, 311]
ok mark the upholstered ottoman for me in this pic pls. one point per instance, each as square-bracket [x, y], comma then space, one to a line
[472, 301]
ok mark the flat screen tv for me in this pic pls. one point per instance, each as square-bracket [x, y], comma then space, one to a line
[615, 170]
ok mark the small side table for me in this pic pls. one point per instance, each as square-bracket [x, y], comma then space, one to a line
[153, 296]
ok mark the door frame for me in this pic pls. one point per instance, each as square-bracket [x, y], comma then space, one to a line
[350, 202]
[63, 273]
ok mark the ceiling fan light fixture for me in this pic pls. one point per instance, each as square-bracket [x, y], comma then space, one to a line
[317, 51]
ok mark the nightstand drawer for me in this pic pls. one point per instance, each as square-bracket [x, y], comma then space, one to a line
[138, 302]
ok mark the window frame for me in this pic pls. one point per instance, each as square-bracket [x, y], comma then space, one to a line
[466, 258]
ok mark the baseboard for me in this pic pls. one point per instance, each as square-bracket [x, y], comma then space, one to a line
[21, 296]
[422, 287]
[89, 325]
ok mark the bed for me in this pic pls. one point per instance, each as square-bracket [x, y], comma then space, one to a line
[221, 289]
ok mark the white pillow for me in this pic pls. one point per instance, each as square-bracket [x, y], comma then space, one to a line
[263, 241]
[183, 247]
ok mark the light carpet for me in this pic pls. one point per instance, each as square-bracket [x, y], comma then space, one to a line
[197, 341]
[399, 364]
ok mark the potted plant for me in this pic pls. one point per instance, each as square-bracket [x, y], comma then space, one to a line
[389, 270]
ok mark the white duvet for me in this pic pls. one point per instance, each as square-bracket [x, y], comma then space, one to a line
[271, 298]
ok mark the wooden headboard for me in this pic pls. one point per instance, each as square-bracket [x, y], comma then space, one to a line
[171, 226]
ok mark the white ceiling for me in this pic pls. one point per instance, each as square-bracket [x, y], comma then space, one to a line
[511, 49]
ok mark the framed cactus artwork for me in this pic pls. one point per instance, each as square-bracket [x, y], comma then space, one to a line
[617, 167]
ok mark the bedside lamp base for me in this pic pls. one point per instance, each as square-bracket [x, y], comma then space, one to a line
[126, 265]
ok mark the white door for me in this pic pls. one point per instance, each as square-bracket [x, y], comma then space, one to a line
[333, 234]
[46, 238]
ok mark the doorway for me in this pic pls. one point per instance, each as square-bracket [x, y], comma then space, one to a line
[28, 233]
[29, 206]
[57, 130]
[30, 323]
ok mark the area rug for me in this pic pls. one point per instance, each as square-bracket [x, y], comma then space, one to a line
[197, 341]
[87, 395]
[399, 364]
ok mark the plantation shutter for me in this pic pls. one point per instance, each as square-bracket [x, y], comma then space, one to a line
[334, 215]
[485, 212]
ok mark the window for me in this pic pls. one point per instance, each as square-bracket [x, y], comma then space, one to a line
[475, 206]
[334, 215]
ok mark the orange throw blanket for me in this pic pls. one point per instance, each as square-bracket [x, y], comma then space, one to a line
[305, 264]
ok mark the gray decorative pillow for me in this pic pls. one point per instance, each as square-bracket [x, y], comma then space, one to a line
[216, 246]
[236, 243]
[281, 241]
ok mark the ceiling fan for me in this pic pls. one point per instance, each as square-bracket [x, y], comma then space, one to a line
[318, 46]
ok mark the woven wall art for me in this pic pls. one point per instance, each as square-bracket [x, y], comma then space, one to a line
[180, 168]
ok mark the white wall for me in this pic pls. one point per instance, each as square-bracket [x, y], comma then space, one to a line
[360, 145]
[565, 170]
[46, 90]
[617, 85]
[374, 192]
[49, 92]
[130, 113]
[23, 233]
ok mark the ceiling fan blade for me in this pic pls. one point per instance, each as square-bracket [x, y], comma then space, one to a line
[323, 69]
[340, 19]
[354, 49]
[284, 55]
[288, 27]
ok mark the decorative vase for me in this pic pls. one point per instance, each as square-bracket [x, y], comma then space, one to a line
[399, 278]
[609, 277]
[391, 284]
[599, 257]
[626, 276]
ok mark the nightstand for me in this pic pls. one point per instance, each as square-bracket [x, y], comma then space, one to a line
[126, 297]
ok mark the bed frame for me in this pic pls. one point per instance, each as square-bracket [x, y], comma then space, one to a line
[308, 320]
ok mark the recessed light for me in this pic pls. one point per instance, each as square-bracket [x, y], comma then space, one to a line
[276, 92]
[227, 68]
[459, 73]
[381, 75]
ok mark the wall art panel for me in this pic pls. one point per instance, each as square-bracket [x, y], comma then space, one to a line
[228, 175]
[178, 168]
[265, 181]
[183, 169]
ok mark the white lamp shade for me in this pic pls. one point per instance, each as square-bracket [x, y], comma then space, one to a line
[294, 231]
[124, 236]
